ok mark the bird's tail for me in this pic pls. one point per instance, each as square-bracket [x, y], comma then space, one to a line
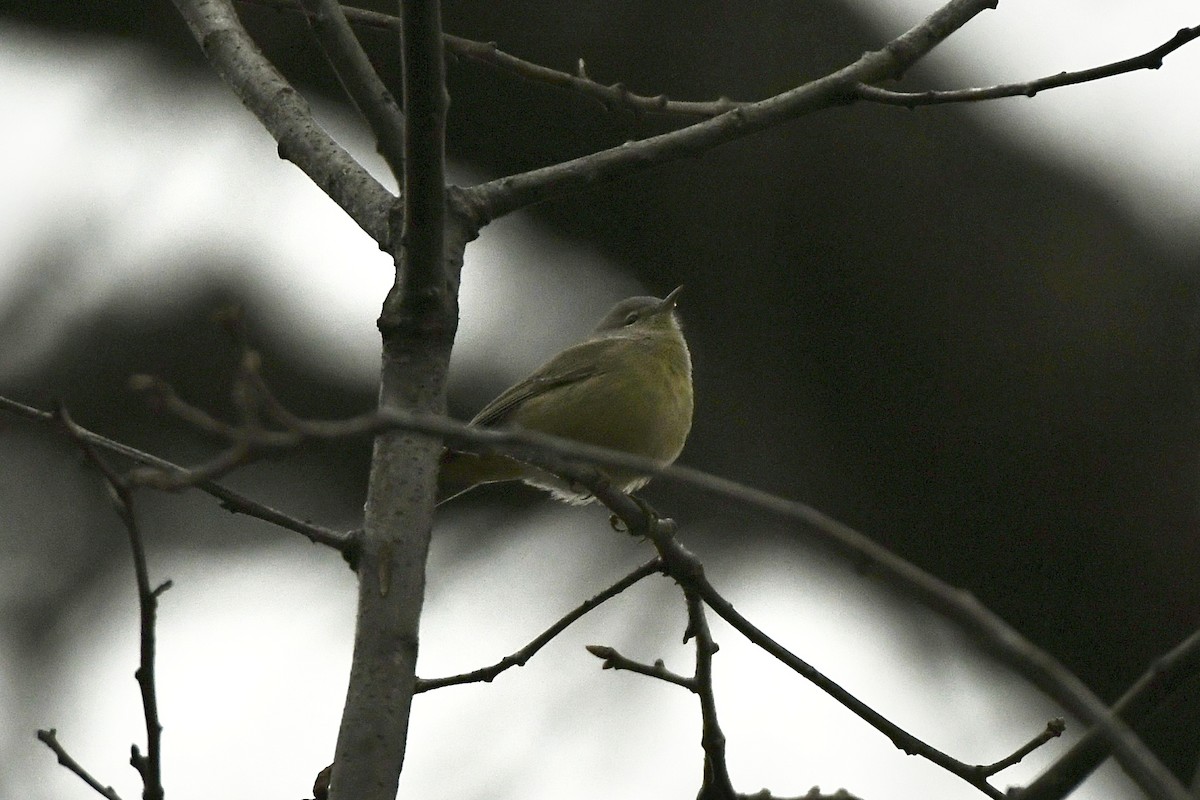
[461, 472]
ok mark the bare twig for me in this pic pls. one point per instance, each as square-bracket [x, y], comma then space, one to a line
[50, 739]
[161, 396]
[359, 79]
[717, 784]
[685, 563]
[230, 500]
[684, 567]
[284, 113]
[989, 630]
[992, 633]
[1164, 677]
[616, 661]
[149, 765]
[610, 96]
[617, 95]
[1151, 59]
[496, 198]
[237, 455]
[522, 656]
[1054, 728]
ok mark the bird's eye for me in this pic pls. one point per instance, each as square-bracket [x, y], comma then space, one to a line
[631, 318]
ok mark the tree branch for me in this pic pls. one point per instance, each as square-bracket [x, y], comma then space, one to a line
[417, 325]
[358, 77]
[499, 197]
[1152, 59]
[563, 456]
[988, 630]
[285, 114]
[658, 670]
[1164, 677]
[717, 784]
[1054, 728]
[423, 276]
[1137, 760]
[682, 565]
[50, 739]
[522, 656]
[230, 500]
[611, 96]
[149, 766]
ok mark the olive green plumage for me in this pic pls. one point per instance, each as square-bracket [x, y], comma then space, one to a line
[628, 387]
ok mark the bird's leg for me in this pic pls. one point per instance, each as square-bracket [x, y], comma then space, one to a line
[649, 513]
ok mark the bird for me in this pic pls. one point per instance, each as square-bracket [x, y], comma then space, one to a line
[627, 387]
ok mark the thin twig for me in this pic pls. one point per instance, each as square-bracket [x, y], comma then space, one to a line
[995, 636]
[717, 784]
[237, 455]
[1054, 728]
[499, 197]
[684, 567]
[50, 739]
[1166, 675]
[149, 766]
[1151, 59]
[687, 570]
[232, 501]
[610, 96]
[161, 396]
[612, 659]
[617, 95]
[286, 115]
[360, 80]
[522, 656]
[989, 630]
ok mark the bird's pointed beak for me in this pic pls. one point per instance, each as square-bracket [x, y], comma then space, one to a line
[668, 303]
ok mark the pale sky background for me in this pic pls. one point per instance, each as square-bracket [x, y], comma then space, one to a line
[256, 717]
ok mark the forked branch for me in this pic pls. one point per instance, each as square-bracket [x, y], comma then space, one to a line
[286, 115]
[148, 764]
[522, 656]
[619, 96]
[565, 457]
[358, 77]
[235, 502]
[1151, 59]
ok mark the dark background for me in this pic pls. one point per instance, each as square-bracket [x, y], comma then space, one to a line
[962, 350]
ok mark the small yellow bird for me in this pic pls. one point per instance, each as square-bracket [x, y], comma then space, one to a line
[627, 387]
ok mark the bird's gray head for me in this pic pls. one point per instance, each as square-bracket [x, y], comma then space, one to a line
[639, 311]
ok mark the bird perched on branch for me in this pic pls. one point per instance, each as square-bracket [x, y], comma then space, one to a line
[627, 387]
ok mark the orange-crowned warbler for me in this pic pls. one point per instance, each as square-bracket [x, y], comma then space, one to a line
[627, 387]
